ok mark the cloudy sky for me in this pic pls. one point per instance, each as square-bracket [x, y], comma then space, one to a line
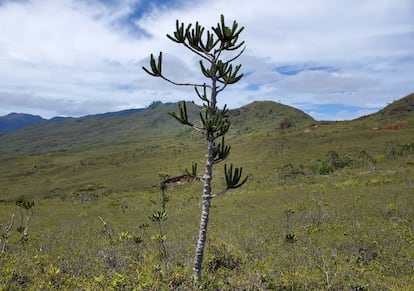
[333, 59]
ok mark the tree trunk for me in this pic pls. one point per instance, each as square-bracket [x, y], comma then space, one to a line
[202, 234]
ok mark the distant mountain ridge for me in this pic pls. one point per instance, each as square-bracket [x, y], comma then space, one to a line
[15, 121]
[150, 123]
[154, 122]
[398, 109]
[274, 111]
[115, 113]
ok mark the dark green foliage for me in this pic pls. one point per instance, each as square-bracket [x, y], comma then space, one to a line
[221, 151]
[331, 163]
[399, 150]
[183, 115]
[223, 256]
[289, 171]
[155, 66]
[233, 178]
[290, 238]
[158, 216]
[25, 203]
[193, 173]
[217, 124]
[224, 38]
[26, 212]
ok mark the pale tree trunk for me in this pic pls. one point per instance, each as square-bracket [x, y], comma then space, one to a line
[208, 176]
[202, 234]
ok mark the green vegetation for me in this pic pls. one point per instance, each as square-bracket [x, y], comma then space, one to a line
[289, 227]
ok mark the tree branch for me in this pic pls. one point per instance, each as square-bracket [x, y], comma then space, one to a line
[207, 56]
[199, 129]
[221, 89]
[222, 193]
[237, 56]
[183, 84]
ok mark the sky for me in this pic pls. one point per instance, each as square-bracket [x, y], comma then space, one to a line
[333, 59]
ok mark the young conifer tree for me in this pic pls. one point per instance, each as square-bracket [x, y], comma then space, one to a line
[217, 48]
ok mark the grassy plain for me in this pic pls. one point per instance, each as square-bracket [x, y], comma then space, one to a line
[325, 208]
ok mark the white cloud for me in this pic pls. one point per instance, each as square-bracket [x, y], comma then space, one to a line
[75, 57]
[320, 82]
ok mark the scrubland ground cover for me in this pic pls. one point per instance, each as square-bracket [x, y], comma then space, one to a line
[329, 209]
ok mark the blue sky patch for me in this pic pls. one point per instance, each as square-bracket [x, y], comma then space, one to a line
[291, 70]
[253, 87]
[138, 9]
[336, 111]
[288, 70]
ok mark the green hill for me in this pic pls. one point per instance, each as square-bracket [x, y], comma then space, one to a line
[63, 135]
[268, 115]
[146, 124]
[398, 111]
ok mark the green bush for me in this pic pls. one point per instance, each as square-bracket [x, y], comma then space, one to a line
[223, 256]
